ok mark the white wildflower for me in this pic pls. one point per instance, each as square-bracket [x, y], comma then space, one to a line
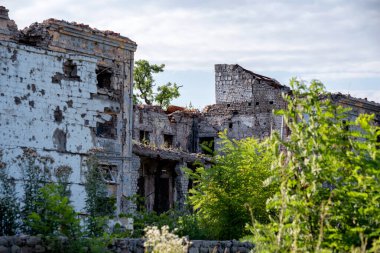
[162, 241]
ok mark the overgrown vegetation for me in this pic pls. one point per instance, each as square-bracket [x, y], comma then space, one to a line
[144, 85]
[54, 216]
[9, 208]
[46, 209]
[227, 194]
[99, 206]
[36, 172]
[328, 176]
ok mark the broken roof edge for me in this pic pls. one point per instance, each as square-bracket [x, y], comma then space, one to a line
[174, 109]
[87, 28]
[273, 82]
[167, 153]
[339, 96]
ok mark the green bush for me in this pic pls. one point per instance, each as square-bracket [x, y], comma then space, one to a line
[54, 216]
[228, 194]
[189, 225]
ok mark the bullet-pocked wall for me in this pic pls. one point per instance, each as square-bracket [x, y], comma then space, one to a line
[65, 90]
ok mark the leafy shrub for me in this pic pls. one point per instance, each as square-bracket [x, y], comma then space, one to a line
[54, 216]
[227, 194]
[143, 219]
[189, 225]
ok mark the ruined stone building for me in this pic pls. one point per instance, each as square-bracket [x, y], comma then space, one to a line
[66, 89]
[166, 141]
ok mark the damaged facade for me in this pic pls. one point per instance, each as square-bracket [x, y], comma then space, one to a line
[66, 88]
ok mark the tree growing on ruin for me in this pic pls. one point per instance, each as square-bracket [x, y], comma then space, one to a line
[144, 85]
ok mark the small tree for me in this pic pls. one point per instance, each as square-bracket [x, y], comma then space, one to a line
[54, 216]
[9, 204]
[144, 83]
[98, 205]
[167, 93]
[36, 170]
[227, 195]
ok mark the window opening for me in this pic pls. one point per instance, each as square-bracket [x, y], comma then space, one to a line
[109, 173]
[70, 70]
[108, 129]
[168, 140]
[104, 77]
[141, 118]
[144, 137]
[207, 145]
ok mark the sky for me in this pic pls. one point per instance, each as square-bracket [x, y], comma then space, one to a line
[334, 41]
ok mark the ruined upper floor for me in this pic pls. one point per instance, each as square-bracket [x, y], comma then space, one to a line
[63, 36]
[234, 84]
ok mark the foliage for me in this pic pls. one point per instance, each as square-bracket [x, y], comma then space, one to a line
[162, 241]
[328, 177]
[9, 204]
[98, 205]
[36, 170]
[207, 147]
[143, 218]
[54, 216]
[167, 93]
[62, 174]
[58, 244]
[189, 225]
[144, 83]
[226, 194]
[182, 221]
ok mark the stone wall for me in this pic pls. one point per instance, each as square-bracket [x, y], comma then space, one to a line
[234, 84]
[159, 124]
[33, 244]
